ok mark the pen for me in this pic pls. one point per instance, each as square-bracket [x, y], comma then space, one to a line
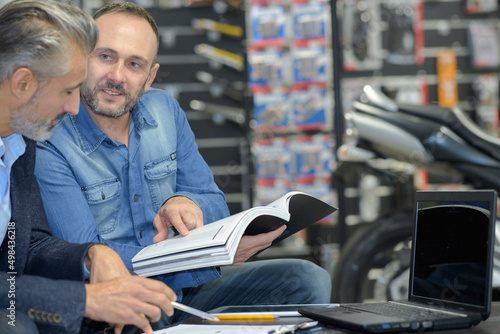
[247, 317]
[193, 311]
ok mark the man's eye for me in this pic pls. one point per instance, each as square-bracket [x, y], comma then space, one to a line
[135, 65]
[105, 57]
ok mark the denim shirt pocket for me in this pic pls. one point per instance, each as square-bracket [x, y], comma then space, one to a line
[161, 177]
[104, 202]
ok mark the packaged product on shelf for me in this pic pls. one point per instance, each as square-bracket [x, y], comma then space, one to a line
[309, 60]
[268, 190]
[267, 22]
[271, 110]
[265, 65]
[481, 6]
[312, 155]
[310, 107]
[361, 35]
[405, 32]
[272, 158]
[486, 91]
[484, 44]
[309, 19]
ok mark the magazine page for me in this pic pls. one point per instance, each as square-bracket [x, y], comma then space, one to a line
[210, 235]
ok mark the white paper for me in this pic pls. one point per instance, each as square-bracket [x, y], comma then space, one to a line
[218, 329]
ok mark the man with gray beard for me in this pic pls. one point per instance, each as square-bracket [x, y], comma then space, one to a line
[44, 48]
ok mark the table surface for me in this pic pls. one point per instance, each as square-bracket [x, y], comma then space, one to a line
[490, 326]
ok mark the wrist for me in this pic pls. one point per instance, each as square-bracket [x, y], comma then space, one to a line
[90, 305]
[92, 252]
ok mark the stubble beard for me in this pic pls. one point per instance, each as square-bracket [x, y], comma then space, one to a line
[24, 121]
[90, 97]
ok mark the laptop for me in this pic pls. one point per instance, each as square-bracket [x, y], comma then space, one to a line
[450, 273]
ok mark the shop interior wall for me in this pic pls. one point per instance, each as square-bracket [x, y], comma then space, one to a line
[446, 25]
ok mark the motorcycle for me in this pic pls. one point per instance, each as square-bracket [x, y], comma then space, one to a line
[393, 141]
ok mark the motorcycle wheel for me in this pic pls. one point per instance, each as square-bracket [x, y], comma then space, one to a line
[374, 262]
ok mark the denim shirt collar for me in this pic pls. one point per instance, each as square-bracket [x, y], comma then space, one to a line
[91, 136]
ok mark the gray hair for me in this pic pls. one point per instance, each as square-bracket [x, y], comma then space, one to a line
[39, 35]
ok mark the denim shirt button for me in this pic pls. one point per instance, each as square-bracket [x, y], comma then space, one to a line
[136, 198]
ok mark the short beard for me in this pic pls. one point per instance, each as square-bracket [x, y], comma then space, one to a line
[89, 96]
[24, 120]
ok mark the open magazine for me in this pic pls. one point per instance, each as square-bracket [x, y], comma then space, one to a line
[215, 244]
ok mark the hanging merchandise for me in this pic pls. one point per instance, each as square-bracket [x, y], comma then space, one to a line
[271, 111]
[361, 35]
[289, 70]
[484, 44]
[272, 168]
[412, 90]
[405, 39]
[313, 159]
[481, 6]
[309, 61]
[309, 19]
[312, 156]
[267, 22]
[265, 66]
[269, 190]
[310, 104]
[447, 78]
[290, 74]
[217, 27]
[220, 57]
[486, 90]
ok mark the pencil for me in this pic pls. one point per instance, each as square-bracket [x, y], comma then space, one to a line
[247, 317]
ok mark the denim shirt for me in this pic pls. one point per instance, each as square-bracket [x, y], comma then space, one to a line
[95, 189]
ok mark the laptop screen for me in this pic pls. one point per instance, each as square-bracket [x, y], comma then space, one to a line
[452, 247]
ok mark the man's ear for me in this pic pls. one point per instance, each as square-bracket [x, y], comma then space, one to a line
[151, 77]
[23, 84]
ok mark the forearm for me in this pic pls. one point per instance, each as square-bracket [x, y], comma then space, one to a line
[126, 252]
[55, 258]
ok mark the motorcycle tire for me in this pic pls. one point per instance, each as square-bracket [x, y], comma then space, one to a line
[369, 250]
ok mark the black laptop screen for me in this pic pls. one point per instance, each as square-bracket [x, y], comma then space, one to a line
[451, 251]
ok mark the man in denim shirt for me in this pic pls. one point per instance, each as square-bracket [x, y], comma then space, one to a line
[127, 168]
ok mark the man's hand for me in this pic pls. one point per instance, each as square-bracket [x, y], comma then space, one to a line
[104, 264]
[251, 244]
[130, 300]
[179, 212]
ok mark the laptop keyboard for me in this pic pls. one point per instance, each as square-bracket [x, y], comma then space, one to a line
[411, 313]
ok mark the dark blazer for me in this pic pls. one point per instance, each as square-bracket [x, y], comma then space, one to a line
[43, 277]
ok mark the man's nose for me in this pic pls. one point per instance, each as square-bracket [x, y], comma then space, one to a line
[117, 73]
[73, 104]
